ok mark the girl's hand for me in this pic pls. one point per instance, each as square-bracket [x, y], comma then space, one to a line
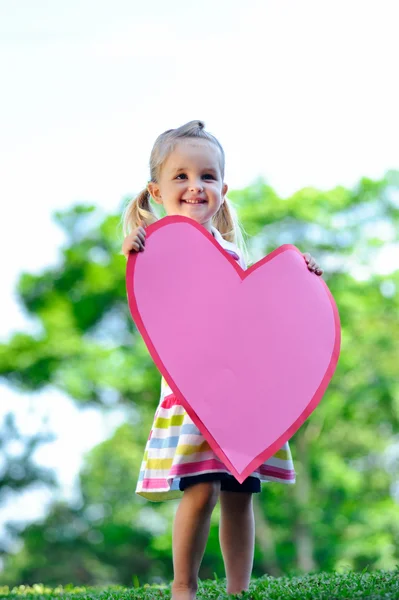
[134, 242]
[312, 265]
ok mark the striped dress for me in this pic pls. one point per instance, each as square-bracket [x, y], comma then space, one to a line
[176, 448]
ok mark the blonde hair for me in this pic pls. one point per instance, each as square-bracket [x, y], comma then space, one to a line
[140, 211]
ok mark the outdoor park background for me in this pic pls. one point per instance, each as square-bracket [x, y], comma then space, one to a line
[303, 97]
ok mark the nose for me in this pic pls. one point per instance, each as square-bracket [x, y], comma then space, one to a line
[196, 186]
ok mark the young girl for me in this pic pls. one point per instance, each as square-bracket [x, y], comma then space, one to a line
[187, 178]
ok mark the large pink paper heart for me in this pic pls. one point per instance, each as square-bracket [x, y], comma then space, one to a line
[248, 353]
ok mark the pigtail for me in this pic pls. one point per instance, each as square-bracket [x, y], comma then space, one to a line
[227, 223]
[223, 222]
[138, 212]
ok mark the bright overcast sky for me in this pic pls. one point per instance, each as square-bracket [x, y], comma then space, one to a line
[301, 92]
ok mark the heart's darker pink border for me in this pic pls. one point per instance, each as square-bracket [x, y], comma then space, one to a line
[273, 448]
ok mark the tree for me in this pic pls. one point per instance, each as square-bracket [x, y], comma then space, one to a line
[19, 472]
[340, 512]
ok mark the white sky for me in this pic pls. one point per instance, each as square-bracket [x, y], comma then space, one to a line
[301, 92]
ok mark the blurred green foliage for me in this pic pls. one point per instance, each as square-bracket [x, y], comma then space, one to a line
[342, 513]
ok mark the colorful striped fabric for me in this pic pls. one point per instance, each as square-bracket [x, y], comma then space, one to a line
[176, 448]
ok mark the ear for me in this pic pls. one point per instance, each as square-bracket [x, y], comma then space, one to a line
[224, 190]
[154, 191]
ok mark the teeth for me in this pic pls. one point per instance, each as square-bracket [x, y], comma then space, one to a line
[194, 201]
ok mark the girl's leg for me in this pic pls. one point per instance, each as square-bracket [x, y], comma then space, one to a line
[190, 534]
[237, 539]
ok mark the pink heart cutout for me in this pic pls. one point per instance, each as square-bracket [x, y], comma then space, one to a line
[249, 353]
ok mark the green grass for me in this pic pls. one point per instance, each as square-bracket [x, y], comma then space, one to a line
[376, 585]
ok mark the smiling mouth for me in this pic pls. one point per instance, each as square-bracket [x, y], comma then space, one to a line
[194, 201]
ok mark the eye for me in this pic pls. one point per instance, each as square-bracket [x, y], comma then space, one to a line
[182, 175]
[208, 176]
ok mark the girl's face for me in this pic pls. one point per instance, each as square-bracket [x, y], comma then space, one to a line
[190, 183]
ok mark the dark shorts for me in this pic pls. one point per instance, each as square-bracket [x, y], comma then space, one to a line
[228, 482]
